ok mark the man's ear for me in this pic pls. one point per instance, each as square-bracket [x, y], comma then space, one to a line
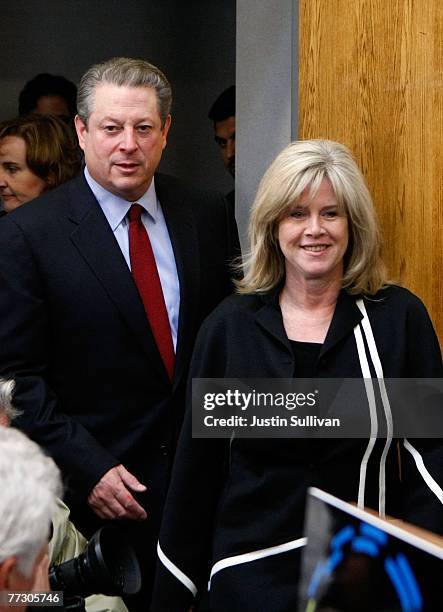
[165, 130]
[7, 574]
[81, 129]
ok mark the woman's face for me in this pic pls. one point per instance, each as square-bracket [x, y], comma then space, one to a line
[314, 236]
[18, 184]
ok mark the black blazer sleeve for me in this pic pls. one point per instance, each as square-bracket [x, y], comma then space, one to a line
[422, 458]
[200, 469]
[25, 338]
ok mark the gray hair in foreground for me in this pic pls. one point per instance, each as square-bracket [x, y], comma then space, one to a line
[6, 394]
[128, 72]
[301, 165]
[30, 483]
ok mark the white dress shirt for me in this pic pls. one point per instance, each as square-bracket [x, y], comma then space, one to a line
[115, 210]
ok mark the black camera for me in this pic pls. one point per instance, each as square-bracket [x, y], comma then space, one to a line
[108, 566]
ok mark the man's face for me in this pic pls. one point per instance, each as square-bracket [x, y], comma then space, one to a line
[224, 134]
[124, 139]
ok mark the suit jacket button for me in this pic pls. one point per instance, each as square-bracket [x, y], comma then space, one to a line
[164, 450]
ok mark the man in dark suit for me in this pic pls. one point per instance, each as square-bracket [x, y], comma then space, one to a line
[99, 386]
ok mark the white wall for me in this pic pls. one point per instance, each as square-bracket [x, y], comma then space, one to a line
[266, 92]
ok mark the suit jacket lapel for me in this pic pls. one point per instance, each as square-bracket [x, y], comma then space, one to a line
[95, 241]
[346, 316]
[183, 233]
[269, 318]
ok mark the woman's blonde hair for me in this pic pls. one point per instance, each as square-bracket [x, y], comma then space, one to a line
[304, 164]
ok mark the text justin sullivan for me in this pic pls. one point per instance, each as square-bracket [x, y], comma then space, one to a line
[275, 421]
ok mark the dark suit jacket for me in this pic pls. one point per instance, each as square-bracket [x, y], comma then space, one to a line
[74, 335]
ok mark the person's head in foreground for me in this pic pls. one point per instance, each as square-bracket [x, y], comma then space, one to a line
[313, 223]
[37, 153]
[29, 484]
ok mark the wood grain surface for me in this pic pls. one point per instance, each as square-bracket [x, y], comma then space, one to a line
[371, 76]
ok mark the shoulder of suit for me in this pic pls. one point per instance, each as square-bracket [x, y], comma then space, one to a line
[166, 181]
[47, 206]
[394, 298]
[235, 308]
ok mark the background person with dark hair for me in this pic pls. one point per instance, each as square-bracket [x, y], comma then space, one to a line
[37, 153]
[222, 113]
[49, 94]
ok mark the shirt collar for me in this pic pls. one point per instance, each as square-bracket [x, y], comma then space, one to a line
[115, 208]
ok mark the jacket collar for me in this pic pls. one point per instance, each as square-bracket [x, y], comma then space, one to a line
[346, 316]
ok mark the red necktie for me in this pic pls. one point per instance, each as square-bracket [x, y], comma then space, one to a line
[145, 274]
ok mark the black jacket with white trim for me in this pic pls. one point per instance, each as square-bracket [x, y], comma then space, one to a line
[235, 509]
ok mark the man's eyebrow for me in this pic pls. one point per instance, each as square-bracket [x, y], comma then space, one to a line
[109, 118]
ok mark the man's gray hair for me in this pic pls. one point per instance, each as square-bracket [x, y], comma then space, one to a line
[128, 72]
[29, 485]
[6, 406]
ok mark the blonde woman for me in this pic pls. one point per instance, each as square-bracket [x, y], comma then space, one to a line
[314, 302]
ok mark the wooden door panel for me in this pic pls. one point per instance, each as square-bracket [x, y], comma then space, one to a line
[371, 76]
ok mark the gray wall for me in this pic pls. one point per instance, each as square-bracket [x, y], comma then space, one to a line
[266, 92]
[192, 41]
